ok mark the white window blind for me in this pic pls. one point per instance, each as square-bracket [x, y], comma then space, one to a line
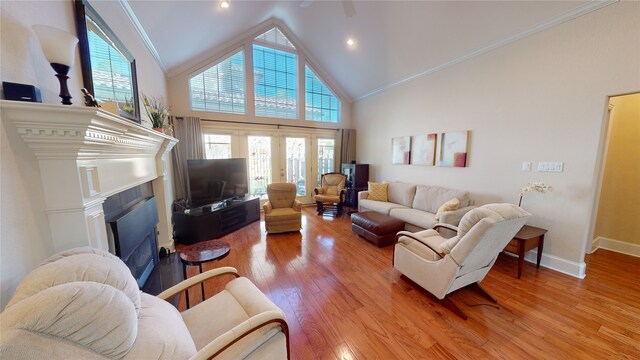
[275, 79]
[221, 88]
[110, 69]
[321, 104]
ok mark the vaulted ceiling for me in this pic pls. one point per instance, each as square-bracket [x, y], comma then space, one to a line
[395, 40]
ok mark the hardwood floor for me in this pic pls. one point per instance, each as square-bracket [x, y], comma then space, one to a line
[344, 300]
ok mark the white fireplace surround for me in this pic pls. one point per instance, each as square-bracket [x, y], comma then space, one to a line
[85, 155]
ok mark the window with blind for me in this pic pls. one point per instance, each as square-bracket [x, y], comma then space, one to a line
[221, 88]
[273, 74]
[321, 104]
[111, 70]
[275, 79]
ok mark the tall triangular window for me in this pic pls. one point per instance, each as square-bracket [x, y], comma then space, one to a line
[321, 103]
[221, 88]
[275, 71]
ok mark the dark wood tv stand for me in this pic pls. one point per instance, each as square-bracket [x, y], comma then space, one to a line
[200, 224]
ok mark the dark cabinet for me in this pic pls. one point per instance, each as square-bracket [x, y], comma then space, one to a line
[212, 222]
[357, 179]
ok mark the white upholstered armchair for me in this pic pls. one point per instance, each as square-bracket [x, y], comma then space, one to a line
[442, 266]
[85, 304]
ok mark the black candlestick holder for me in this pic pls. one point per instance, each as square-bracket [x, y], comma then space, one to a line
[61, 73]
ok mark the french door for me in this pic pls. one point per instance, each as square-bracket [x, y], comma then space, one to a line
[298, 157]
[295, 166]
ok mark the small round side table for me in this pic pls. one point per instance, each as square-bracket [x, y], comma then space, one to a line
[200, 253]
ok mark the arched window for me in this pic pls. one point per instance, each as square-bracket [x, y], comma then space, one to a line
[274, 73]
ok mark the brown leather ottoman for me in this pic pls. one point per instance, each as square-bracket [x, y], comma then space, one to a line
[379, 229]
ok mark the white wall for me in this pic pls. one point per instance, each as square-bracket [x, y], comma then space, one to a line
[25, 239]
[542, 98]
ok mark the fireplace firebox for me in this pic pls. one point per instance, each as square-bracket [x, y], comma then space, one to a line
[134, 238]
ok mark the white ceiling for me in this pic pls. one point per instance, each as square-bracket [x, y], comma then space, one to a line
[395, 39]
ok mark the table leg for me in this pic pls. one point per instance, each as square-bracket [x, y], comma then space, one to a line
[202, 283]
[186, 292]
[540, 246]
[520, 257]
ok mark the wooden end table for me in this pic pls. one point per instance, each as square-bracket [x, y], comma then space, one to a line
[529, 237]
[200, 253]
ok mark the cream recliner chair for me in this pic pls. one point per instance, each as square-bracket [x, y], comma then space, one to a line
[282, 213]
[85, 304]
[442, 266]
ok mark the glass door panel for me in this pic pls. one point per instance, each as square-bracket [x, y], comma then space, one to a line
[326, 157]
[259, 164]
[217, 146]
[296, 164]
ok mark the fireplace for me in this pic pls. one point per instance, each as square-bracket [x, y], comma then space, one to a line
[132, 237]
[85, 155]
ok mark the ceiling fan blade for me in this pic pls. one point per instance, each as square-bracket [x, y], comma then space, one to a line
[349, 9]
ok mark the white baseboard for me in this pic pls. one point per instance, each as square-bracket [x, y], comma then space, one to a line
[555, 263]
[564, 266]
[615, 245]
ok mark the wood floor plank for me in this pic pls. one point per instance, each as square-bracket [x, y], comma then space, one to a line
[344, 300]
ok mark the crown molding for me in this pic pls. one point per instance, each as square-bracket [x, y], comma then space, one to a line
[557, 20]
[143, 34]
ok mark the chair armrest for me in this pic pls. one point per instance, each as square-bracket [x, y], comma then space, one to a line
[195, 280]
[445, 226]
[411, 235]
[297, 205]
[267, 207]
[453, 217]
[318, 191]
[254, 323]
[363, 195]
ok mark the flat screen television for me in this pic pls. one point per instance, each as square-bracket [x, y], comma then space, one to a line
[214, 180]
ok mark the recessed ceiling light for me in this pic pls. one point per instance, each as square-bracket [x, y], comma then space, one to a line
[350, 42]
[224, 4]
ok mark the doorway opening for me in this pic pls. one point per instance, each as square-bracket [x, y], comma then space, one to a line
[616, 210]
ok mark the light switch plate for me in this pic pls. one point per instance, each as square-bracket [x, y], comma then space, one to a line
[550, 166]
[526, 166]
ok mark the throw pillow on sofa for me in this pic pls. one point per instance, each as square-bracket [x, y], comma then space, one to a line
[453, 204]
[377, 192]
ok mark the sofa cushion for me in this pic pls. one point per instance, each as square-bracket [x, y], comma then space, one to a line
[415, 217]
[282, 214]
[378, 206]
[452, 204]
[401, 193]
[378, 192]
[430, 198]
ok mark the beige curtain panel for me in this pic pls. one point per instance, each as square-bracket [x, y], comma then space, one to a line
[187, 129]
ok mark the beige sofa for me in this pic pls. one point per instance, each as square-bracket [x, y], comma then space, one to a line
[417, 205]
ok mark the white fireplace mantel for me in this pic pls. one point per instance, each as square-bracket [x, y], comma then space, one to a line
[85, 155]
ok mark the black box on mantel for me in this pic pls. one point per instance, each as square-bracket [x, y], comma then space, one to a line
[21, 92]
